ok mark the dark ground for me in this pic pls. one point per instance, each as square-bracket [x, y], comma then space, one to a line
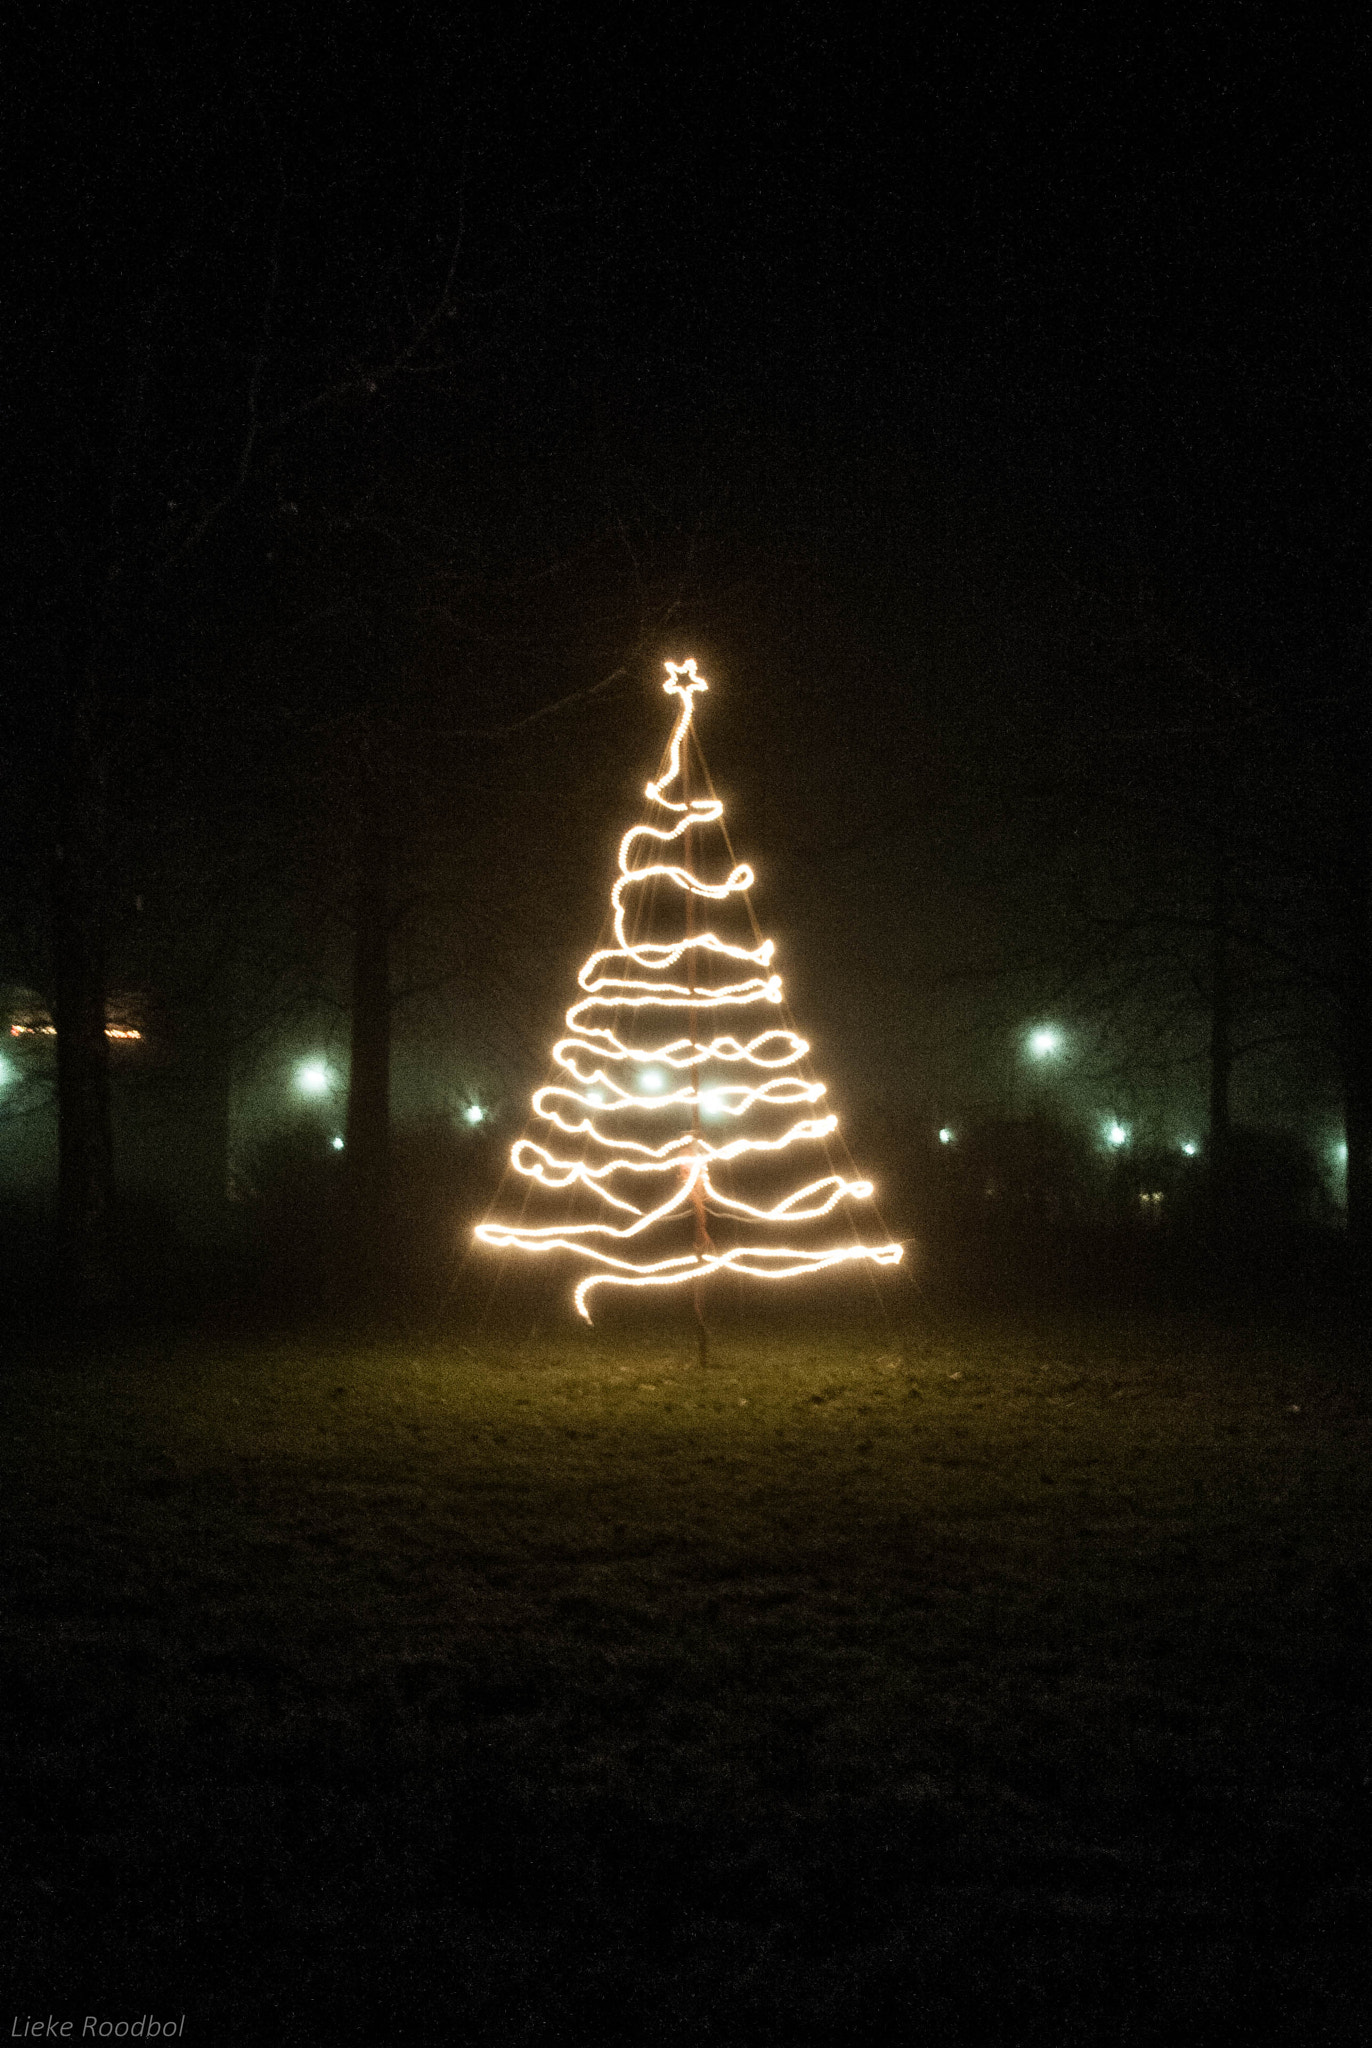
[983, 1683]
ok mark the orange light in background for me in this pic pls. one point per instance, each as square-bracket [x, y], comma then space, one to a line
[118, 1031]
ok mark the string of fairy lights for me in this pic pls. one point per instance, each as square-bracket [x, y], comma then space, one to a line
[620, 1079]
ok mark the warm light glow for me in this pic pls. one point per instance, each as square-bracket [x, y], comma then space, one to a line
[1045, 1041]
[1116, 1135]
[475, 1113]
[661, 1093]
[121, 1031]
[312, 1077]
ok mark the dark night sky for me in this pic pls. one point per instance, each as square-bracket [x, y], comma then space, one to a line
[1112, 286]
[941, 335]
[1100, 293]
[1107, 287]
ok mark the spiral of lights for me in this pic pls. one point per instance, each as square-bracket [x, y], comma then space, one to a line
[645, 1185]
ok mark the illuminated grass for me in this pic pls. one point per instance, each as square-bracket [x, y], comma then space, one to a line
[562, 1688]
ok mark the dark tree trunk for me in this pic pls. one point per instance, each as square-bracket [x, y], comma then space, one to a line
[1357, 1048]
[367, 1155]
[85, 1180]
[1220, 1147]
[205, 1096]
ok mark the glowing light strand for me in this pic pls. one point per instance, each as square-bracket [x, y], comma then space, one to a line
[595, 1106]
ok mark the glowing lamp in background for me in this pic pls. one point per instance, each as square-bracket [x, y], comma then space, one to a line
[945, 1136]
[1116, 1135]
[337, 1144]
[1044, 1042]
[1190, 1147]
[474, 1113]
[314, 1078]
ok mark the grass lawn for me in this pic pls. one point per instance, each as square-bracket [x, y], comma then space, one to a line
[988, 1686]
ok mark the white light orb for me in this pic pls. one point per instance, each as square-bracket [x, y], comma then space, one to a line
[1045, 1041]
[652, 1080]
[945, 1136]
[475, 1113]
[1190, 1147]
[1116, 1135]
[313, 1077]
[337, 1144]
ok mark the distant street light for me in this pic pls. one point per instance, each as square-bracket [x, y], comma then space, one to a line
[1190, 1147]
[337, 1144]
[945, 1136]
[1045, 1042]
[475, 1113]
[314, 1077]
[1116, 1135]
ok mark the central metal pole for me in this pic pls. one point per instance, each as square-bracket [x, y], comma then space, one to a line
[702, 1232]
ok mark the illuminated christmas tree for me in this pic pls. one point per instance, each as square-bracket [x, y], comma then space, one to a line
[675, 1150]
